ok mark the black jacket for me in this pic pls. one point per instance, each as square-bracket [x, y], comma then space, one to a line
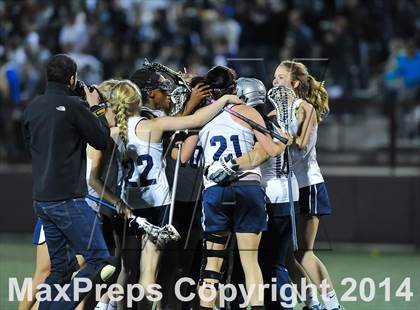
[57, 127]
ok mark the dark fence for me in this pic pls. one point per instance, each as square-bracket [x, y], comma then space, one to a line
[366, 209]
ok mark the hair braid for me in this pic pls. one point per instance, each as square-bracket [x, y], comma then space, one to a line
[125, 102]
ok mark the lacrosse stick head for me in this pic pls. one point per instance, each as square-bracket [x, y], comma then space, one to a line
[168, 233]
[178, 78]
[251, 91]
[179, 97]
[283, 98]
[158, 235]
[144, 227]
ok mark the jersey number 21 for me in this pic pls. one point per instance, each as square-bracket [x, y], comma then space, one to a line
[223, 145]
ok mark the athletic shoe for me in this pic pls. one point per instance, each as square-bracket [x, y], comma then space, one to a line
[318, 307]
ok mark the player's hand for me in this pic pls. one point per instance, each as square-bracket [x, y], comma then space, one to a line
[122, 209]
[231, 99]
[289, 137]
[220, 171]
[284, 134]
[91, 97]
[199, 92]
[110, 118]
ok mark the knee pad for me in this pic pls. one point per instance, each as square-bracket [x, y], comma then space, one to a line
[211, 274]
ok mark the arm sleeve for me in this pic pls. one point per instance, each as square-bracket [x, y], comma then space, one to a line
[93, 129]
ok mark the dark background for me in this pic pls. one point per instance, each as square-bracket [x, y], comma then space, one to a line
[366, 209]
[366, 51]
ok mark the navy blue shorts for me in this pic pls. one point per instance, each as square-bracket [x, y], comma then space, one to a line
[39, 235]
[313, 200]
[238, 208]
[281, 209]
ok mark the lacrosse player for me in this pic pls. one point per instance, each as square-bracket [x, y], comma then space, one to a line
[146, 186]
[184, 256]
[104, 174]
[238, 206]
[275, 241]
[313, 196]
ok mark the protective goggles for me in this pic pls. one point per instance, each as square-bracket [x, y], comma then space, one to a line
[164, 86]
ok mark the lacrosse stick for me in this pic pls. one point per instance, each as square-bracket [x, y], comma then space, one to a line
[175, 183]
[283, 99]
[179, 134]
[181, 93]
[158, 235]
[177, 77]
[256, 126]
[179, 97]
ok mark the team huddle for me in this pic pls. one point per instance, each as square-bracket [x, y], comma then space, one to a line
[216, 161]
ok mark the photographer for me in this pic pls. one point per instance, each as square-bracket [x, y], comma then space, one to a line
[57, 127]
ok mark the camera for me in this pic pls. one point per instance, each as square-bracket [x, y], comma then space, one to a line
[80, 91]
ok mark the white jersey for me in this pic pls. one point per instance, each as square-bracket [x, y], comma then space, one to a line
[222, 136]
[305, 165]
[145, 182]
[274, 180]
[274, 170]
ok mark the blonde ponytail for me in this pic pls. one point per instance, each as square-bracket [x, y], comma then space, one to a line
[318, 97]
[309, 89]
[125, 102]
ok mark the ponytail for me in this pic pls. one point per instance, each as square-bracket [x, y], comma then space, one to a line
[309, 89]
[125, 101]
[318, 97]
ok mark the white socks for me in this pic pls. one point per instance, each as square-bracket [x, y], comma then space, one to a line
[112, 305]
[101, 306]
[311, 299]
[331, 301]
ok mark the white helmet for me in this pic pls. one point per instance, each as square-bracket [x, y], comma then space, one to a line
[251, 91]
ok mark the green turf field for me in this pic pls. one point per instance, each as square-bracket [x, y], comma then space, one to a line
[17, 257]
